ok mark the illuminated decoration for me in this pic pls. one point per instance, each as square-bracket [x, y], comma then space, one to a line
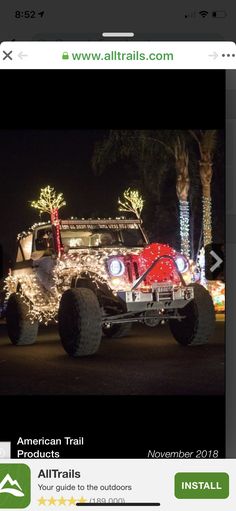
[207, 141]
[56, 224]
[202, 265]
[207, 223]
[217, 290]
[207, 236]
[24, 234]
[132, 201]
[116, 267]
[43, 303]
[184, 227]
[182, 191]
[182, 263]
[192, 273]
[50, 202]
[41, 286]
[165, 268]
[95, 266]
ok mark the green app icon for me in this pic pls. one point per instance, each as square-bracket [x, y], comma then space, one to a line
[14, 486]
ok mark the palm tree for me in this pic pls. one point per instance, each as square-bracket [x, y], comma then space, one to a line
[182, 190]
[144, 147]
[206, 141]
[177, 149]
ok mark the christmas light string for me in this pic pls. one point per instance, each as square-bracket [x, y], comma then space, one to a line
[207, 222]
[184, 228]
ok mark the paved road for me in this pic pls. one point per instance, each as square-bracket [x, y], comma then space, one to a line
[148, 361]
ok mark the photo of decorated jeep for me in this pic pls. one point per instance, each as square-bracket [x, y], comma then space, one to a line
[98, 277]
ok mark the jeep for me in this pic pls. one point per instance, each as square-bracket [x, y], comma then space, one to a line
[96, 278]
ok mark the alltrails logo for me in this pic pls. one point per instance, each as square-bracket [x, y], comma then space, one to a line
[14, 486]
[9, 486]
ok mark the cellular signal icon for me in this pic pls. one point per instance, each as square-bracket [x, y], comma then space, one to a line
[203, 14]
[190, 14]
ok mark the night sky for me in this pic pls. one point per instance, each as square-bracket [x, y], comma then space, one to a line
[33, 159]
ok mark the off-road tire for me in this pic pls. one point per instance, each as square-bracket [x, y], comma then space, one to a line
[117, 330]
[21, 330]
[79, 320]
[198, 326]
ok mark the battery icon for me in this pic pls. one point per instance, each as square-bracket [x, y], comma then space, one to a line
[219, 14]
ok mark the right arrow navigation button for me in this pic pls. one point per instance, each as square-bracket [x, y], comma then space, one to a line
[214, 254]
[218, 261]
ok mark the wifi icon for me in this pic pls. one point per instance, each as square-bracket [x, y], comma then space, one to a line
[203, 14]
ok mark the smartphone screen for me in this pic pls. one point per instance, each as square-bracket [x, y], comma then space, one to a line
[116, 156]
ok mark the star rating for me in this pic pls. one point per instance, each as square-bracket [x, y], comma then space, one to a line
[52, 501]
[42, 501]
[72, 501]
[61, 501]
[82, 500]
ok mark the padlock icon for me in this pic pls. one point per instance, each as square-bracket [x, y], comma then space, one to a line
[65, 55]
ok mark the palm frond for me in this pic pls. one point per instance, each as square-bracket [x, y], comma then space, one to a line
[209, 140]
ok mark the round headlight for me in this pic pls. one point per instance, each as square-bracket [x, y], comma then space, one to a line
[116, 267]
[182, 263]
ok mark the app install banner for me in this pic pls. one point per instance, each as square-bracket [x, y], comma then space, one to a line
[171, 484]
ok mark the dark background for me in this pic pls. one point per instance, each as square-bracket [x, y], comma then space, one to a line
[119, 426]
[97, 100]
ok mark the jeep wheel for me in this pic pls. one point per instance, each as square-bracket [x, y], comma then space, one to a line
[198, 324]
[79, 319]
[20, 329]
[117, 330]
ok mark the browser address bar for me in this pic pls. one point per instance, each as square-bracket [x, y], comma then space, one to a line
[117, 55]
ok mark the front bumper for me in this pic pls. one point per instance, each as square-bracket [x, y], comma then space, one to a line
[161, 297]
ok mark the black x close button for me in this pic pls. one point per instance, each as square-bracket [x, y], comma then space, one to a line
[7, 55]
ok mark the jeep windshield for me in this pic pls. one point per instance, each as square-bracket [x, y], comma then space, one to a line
[102, 238]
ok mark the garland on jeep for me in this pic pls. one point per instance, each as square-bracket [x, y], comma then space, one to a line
[43, 304]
